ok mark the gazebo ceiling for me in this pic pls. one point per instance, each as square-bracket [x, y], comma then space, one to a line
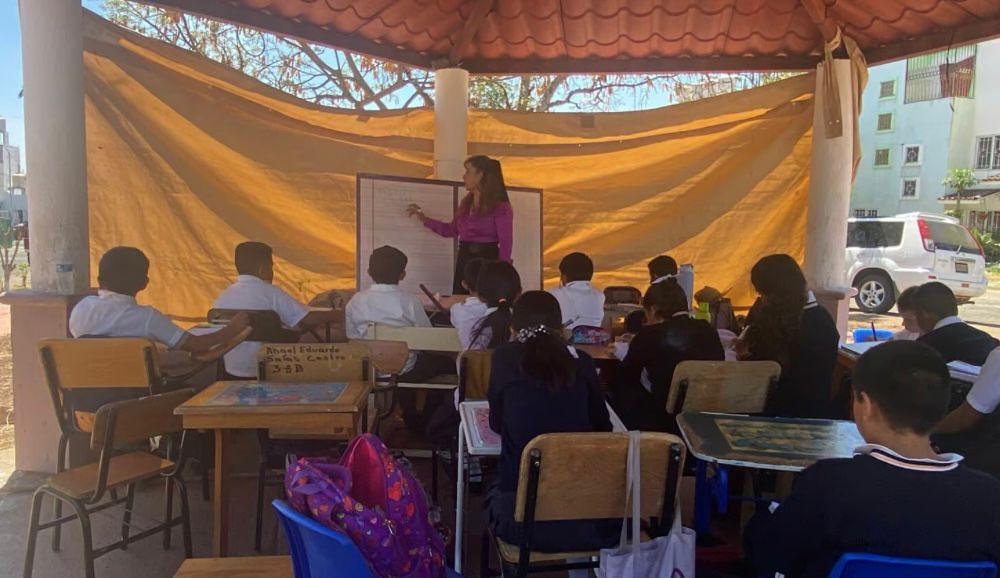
[565, 36]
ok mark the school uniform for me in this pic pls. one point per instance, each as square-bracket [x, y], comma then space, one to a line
[878, 502]
[110, 314]
[522, 408]
[581, 304]
[466, 318]
[956, 340]
[981, 444]
[645, 374]
[253, 293]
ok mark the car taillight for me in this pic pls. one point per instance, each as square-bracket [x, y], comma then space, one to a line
[925, 235]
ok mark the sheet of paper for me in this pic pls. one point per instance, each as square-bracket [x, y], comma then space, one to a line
[861, 348]
[964, 368]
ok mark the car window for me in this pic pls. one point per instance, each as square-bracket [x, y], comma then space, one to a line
[950, 237]
[872, 234]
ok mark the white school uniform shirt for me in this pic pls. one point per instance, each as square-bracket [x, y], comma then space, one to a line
[388, 305]
[580, 303]
[984, 396]
[251, 292]
[952, 320]
[465, 317]
[110, 314]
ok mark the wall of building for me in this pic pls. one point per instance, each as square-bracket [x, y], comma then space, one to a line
[12, 206]
[987, 114]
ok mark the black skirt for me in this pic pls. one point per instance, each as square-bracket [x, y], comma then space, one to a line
[466, 252]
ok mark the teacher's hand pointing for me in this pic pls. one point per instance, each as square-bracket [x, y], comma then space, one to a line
[414, 209]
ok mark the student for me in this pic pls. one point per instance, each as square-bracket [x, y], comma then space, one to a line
[122, 273]
[466, 314]
[973, 428]
[788, 326]
[499, 286]
[661, 268]
[672, 336]
[942, 328]
[540, 385]
[580, 302]
[907, 310]
[896, 496]
[254, 289]
[384, 302]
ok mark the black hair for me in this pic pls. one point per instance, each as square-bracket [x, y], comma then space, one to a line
[776, 318]
[906, 300]
[499, 286]
[546, 356]
[492, 188]
[251, 255]
[667, 298]
[634, 321]
[470, 273]
[662, 266]
[577, 267]
[936, 299]
[386, 265]
[123, 270]
[908, 381]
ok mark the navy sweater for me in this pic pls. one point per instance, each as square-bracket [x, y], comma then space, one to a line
[878, 503]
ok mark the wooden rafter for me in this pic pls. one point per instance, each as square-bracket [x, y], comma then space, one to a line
[471, 26]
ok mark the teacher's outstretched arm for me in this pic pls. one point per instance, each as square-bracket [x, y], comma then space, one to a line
[439, 227]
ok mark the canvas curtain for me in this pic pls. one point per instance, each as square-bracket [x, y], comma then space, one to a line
[187, 158]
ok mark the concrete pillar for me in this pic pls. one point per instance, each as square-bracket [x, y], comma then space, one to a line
[451, 122]
[830, 199]
[52, 45]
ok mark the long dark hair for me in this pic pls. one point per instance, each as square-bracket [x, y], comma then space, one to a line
[499, 286]
[492, 190]
[537, 322]
[776, 319]
[666, 298]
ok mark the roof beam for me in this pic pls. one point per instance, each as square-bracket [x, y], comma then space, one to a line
[795, 62]
[978, 31]
[267, 22]
[472, 24]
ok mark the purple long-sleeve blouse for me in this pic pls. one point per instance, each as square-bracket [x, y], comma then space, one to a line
[494, 227]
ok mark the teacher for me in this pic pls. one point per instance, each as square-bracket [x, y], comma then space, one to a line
[484, 222]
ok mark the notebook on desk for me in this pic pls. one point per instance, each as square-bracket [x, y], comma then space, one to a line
[960, 369]
[860, 348]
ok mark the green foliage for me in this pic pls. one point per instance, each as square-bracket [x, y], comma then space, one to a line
[23, 271]
[991, 248]
[960, 180]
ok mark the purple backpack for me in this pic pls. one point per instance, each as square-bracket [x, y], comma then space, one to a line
[377, 503]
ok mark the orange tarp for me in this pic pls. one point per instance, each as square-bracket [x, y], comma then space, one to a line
[187, 158]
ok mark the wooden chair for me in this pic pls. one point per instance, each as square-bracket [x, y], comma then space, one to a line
[583, 476]
[117, 427]
[434, 339]
[617, 294]
[723, 386]
[474, 374]
[302, 362]
[388, 360]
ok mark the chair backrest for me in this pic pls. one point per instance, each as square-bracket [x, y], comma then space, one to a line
[314, 362]
[387, 356]
[726, 386]
[622, 294]
[318, 551]
[266, 324]
[418, 338]
[125, 422]
[577, 476]
[875, 566]
[474, 374]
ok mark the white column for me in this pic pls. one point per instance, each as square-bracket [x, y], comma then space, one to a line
[830, 199]
[451, 122]
[52, 44]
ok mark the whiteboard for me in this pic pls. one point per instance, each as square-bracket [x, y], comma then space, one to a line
[382, 220]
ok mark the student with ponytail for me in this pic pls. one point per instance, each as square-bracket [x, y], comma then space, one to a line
[499, 287]
[538, 385]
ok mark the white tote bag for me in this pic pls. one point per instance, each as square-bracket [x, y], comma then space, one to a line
[670, 556]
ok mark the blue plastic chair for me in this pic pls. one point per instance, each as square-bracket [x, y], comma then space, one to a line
[874, 566]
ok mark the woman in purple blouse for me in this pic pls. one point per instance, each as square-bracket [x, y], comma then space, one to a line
[484, 223]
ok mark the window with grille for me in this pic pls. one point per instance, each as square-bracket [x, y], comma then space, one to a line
[988, 152]
[887, 89]
[912, 154]
[943, 74]
[881, 157]
[885, 121]
[911, 188]
[859, 213]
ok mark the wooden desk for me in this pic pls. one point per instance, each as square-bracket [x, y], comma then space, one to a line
[767, 443]
[847, 358]
[231, 405]
[246, 567]
[598, 352]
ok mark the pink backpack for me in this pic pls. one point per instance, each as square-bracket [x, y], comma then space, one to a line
[377, 503]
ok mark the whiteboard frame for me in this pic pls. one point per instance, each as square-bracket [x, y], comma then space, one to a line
[457, 189]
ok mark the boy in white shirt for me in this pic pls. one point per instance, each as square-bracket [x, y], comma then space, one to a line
[580, 302]
[466, 315]
[973, 428]
[254, 289]
[385, 303]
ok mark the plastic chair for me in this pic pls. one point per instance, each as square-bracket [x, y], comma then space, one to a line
[874, 566]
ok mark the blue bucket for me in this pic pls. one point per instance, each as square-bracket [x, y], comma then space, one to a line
[864, 335]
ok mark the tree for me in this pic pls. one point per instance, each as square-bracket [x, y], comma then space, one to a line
[10, 244]
[342, 79]
[960, 180]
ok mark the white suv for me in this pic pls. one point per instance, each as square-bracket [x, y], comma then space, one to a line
[886, 255]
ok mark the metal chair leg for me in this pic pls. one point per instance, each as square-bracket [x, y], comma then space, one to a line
[169, 514]
[434, 475]
[88, 539]
[33, 522]
[261, 482]
[61, 466]
[127, 516]
[185, 514]
[206, 463]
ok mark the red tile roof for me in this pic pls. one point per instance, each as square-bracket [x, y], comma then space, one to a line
[614, 35]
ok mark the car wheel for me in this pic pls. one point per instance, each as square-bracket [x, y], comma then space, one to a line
[876, 293]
